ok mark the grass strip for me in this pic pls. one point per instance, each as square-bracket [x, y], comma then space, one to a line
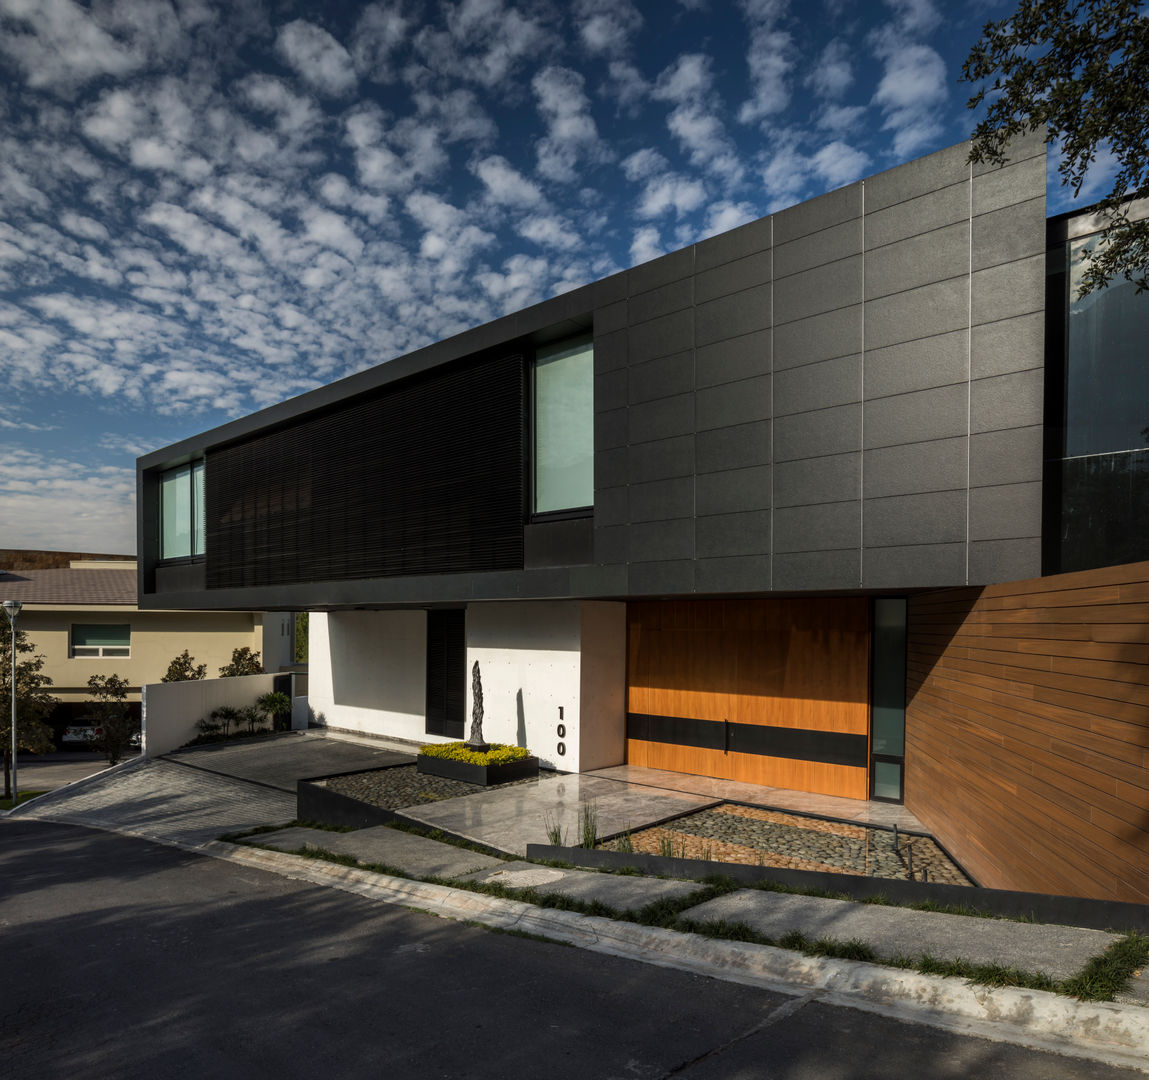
[1108, 974]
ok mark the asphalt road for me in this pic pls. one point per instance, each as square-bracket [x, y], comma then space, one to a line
[122, 958]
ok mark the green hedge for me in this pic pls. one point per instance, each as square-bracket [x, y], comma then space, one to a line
[499, 753]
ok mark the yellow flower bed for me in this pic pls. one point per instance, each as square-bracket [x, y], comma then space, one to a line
[499, 753]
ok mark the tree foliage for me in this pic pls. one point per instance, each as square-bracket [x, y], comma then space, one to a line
[33, 702]
[243, 662]
[183, 668]
[1080, 69]
[114, 722]
[301, 627]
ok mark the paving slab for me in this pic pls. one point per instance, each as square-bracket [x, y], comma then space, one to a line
[510, 818]
[1059, 951]
[280, 760]
[623, 892]
[415, 855]
[162, 801]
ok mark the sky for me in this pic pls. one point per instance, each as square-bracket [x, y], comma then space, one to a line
[207, 207]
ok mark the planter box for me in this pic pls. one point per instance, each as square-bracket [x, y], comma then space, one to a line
[483, 775]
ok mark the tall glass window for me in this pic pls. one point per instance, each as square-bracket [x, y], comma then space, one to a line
[888, 709]
[564, 426]
[1098, 485]
[182, 512]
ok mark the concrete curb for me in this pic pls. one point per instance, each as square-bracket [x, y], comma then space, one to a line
[1111, 1033]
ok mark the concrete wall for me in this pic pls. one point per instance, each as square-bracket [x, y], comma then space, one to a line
[156, 637]
[367, 672]
[172, 710]
[846, 394]
[529, 658]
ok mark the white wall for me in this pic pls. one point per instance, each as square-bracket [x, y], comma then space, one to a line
[278, 640]
[368, 671]
[172, 710]
[528, 655]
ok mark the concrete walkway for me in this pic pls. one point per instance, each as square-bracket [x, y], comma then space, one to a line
[179, 801]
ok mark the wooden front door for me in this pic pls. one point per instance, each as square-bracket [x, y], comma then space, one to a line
[769, 691]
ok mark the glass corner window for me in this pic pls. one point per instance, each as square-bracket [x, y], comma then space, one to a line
[182, 511]
[564, 426]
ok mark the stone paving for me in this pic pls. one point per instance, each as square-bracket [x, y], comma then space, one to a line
[760, 837]
[162, 800]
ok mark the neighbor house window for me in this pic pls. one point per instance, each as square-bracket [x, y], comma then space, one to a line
[181, 511]
[101, 639]
[564, 426]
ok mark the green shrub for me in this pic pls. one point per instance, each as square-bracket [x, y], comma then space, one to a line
[499, 753]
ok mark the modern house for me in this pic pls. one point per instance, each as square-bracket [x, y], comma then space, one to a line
[84, 620]
[781, 507]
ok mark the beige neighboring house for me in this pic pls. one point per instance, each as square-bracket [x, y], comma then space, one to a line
[84, 621]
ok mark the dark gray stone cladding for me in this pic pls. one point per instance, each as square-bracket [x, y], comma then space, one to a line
[846, 395]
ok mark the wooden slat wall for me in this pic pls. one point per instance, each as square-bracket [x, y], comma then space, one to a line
[801, 663]
[1027, 730]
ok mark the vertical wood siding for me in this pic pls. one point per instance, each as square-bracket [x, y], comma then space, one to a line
[1027, 730]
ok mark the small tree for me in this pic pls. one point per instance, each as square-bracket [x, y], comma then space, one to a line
[113, 720]
[1078, 69]
[301, 627]
[276, 706]
[183, 668]
[33, 702]
[243, 662]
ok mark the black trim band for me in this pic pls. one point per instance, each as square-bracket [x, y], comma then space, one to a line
[803, 744]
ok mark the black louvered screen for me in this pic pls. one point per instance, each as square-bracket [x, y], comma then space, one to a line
[425, 477]
[446, 673]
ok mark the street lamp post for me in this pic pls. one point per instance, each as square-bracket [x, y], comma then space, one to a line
[12, 610]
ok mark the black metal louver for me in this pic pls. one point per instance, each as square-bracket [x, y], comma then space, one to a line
[423, 477]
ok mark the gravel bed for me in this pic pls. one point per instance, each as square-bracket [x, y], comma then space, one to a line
[770, 838]
[404, 785]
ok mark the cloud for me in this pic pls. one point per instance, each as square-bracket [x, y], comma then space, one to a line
[912, 89]
[694, 121]
[668, 192]
[841, 119]
[769, 58]
[725, 215]
[60, 45]
[316, 57]
[605, 26]
[915, 16]
[647, 245]
[838, 164]
[505, 184]
[380, 31]
[832, 74]
[548, 230]
[572, 136]
[81, 505]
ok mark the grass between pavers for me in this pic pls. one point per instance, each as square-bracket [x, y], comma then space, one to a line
[1101, 979]
[22, 797]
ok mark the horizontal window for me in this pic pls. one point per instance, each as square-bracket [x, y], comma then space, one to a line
[101, 639]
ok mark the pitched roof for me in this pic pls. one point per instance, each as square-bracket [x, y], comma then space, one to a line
[70, 586]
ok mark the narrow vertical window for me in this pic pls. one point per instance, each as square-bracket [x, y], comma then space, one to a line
[182, 511]
[564, 426]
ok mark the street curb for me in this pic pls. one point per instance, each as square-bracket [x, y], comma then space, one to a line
[1107, 1032]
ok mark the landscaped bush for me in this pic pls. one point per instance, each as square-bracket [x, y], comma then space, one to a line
[499, 753]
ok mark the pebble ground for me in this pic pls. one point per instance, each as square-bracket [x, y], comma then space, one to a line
[404, 785]
[758, 837]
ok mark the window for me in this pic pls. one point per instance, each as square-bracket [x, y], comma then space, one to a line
[564, 426]
[181, 512]
[101, 639]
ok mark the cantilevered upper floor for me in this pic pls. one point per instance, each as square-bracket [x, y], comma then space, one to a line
[846, 395]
